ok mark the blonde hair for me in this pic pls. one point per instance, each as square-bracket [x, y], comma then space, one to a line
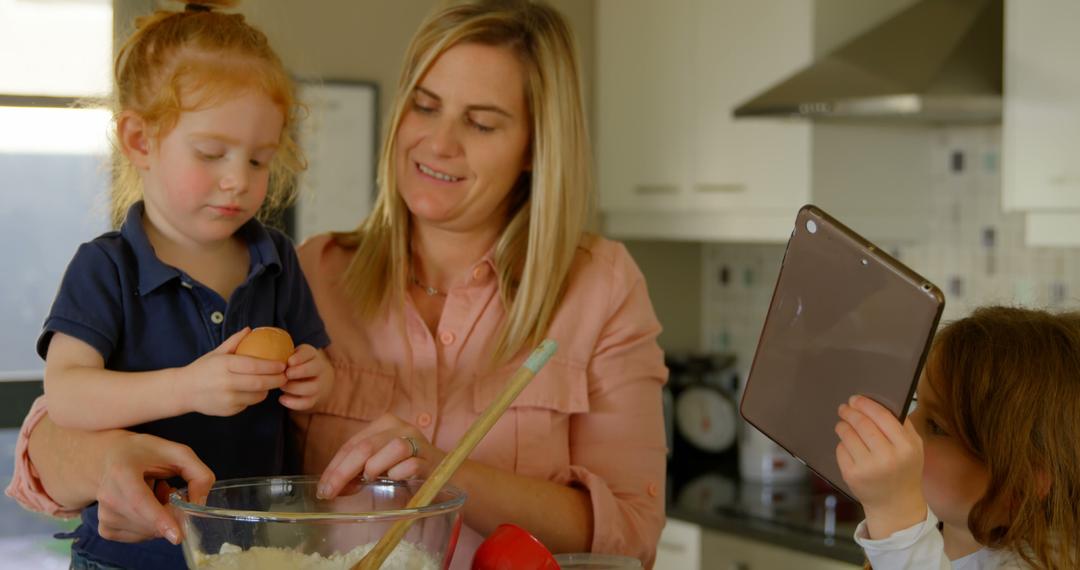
[549, 205]
[1009, 383]
[203, 53]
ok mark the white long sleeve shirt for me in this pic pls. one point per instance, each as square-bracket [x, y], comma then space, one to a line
[921, 547]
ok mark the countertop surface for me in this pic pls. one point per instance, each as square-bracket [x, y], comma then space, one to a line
[807, 516]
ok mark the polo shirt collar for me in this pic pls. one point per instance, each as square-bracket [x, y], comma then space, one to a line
[153, 273]
[261, 248]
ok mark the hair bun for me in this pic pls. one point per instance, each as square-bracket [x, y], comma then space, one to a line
[209, 5]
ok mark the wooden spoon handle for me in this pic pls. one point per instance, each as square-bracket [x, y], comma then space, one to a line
[446, 468]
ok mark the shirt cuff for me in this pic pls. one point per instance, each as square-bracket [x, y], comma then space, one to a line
[899, 540]
[918, 547]
[25, 486]
[618, 527]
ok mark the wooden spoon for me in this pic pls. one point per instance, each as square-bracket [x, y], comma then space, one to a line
[445, 469]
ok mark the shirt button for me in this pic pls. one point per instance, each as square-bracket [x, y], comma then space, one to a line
[446, 337]
[653, 490]
[480, 272]
[216, 317]
[423, 420]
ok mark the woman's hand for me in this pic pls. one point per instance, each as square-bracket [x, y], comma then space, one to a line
[881, 461]
[382, 448]
[310, 378]
[128, 510]
[221, 383]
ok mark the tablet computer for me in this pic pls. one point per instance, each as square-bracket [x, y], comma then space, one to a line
[845, 318]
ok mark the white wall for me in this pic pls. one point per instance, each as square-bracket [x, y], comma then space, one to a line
[354, 39]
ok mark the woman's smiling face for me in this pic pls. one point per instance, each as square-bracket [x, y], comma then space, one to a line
[464, 139]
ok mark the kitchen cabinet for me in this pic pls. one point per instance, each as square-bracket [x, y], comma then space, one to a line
[726, 552]
[672, 161]
[688, 546]
[679, 547]
[1041, 122]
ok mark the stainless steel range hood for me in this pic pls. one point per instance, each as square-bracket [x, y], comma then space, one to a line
[936, 61]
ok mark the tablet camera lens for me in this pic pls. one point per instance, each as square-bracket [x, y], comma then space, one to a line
[811, 226]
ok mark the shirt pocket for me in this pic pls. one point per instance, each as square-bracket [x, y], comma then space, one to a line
[536, 427]
[359, 393]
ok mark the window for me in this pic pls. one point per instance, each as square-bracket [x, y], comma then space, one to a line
[53, 196]
[53, 158]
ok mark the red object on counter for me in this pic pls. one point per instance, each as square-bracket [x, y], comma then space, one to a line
[511, 547]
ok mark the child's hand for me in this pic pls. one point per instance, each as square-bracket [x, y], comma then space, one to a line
[221, 383]
[310, 378]
[882, 462]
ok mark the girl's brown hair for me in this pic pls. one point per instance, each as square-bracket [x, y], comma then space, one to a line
[183, 61]
[1009, 383]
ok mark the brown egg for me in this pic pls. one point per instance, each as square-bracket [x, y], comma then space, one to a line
[270, 343]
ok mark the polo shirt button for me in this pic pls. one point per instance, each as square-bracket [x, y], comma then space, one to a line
[653, 490]
[423, 420]
[216, 317]
[480, 272]
[446, 337]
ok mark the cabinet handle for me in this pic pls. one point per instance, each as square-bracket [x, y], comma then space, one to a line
[719, 188]
[656, 189]
[1065, 179]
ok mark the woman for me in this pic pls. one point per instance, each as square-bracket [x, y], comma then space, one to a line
[474, 253]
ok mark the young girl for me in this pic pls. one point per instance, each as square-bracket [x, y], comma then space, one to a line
[985, 473]
[144, 327]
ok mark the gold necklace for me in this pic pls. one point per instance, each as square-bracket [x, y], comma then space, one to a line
[431, 291]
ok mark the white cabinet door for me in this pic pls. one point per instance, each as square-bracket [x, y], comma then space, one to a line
[727, 552]
[1041, 125]
[1052, 229]
[643, 58]
[742, 47]
[679, 547]
[672, 163]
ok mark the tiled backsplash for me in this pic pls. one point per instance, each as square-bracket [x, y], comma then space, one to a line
[972, 250]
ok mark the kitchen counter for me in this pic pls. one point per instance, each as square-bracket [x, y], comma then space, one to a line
[808, 516]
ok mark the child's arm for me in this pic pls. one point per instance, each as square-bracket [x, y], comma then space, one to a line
[82, 394]
[310, 378]
[881, 461]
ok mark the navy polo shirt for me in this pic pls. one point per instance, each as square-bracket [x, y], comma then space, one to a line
[142, 314]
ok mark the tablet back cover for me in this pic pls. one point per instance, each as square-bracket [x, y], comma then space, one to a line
[845, 318]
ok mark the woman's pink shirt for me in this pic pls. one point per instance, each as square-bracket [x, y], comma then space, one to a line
[591, 418]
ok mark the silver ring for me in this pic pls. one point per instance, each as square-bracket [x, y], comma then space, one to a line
[414, 449]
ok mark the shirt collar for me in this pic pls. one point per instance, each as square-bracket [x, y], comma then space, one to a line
[261, 247]
[153, 273]
[488, 259]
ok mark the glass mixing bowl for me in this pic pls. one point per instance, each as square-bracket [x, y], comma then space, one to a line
[268, 523]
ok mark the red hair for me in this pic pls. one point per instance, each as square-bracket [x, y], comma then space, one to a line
[183, 61]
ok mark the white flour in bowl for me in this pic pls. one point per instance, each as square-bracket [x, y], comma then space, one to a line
[232, 557]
